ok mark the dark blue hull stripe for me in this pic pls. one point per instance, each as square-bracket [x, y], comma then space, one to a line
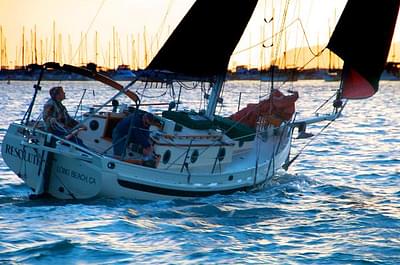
[176, 193]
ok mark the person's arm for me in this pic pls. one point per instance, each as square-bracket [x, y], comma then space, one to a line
[70, 122]
[48, 118]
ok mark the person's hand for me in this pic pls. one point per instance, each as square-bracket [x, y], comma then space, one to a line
[83, 127]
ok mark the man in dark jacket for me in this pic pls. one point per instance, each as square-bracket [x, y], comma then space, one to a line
[133, 129]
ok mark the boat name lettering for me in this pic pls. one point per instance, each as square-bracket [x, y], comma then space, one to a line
[76, 175]
[22, 154]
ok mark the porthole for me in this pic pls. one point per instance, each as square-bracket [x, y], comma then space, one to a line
[166, 157]
[241, 142]
[94, 125]
[194, 156]
[221, 153]
[230, 178]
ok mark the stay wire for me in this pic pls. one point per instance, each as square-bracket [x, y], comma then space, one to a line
[308, 143]
[89, 27]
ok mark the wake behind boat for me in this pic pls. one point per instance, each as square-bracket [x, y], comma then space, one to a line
[196, 153]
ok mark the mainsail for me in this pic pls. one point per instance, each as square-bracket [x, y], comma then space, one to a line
[362, 39]
[203, 42]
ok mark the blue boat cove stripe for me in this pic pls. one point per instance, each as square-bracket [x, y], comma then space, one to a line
[173, 192]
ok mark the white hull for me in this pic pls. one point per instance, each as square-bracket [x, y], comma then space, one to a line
[68, 171]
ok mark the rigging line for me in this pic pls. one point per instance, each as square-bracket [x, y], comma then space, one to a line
[307, 144]
[307, 41]
[186, 87]
[126, 88]
[281, 30]
[315, 55]
[89, 27]
[80, 103]
[162, 24]
[264, 40]
[258, 150]
[200, 153]
[326, 101]
[178, 157]
[114, 144]
[309, 61]
[297, 20]
[143, 95]
[221, 95]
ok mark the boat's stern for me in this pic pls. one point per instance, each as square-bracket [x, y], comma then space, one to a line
[48, 165]
[25, 162]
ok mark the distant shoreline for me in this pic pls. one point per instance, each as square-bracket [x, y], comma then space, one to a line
[279, 75]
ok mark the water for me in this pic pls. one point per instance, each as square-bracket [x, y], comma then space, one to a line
[339, 203]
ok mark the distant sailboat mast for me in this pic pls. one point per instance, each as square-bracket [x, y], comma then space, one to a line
[35, 47]
[1, 48]
[23, 47]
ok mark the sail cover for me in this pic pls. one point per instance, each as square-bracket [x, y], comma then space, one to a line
[362, 39]
[202, 43]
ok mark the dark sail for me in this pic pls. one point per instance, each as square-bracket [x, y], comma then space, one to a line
[204, 40]
[362, 39]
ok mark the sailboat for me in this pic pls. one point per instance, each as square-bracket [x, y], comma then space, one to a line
[200, 153]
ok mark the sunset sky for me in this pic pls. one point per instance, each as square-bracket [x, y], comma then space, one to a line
[131, 20]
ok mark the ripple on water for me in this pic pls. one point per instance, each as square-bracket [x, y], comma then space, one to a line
[339, 203]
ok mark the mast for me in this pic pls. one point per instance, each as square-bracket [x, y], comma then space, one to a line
[32, 50]
[145, 48]
[80, 51]
[1, 48]
[249, 64]
[109, 55]
[47, 49]
[35, 48]
[330, 52]
[134, 65]
[127, 51]
[69, 49]
[285, 51]
[41, 51]
[272, 37]
[318, 51]
[23, 48]
[215, 92]
[138, 52]
[114, 55]
[59, 54]
[5, 54]
[95, 48]
[54, 41]
[262, 37]
[85, 61]
[394, 52]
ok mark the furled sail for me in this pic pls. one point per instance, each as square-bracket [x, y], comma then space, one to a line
[362, 39]
[202, 43]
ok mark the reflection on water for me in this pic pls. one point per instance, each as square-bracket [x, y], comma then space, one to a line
[339, 203]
